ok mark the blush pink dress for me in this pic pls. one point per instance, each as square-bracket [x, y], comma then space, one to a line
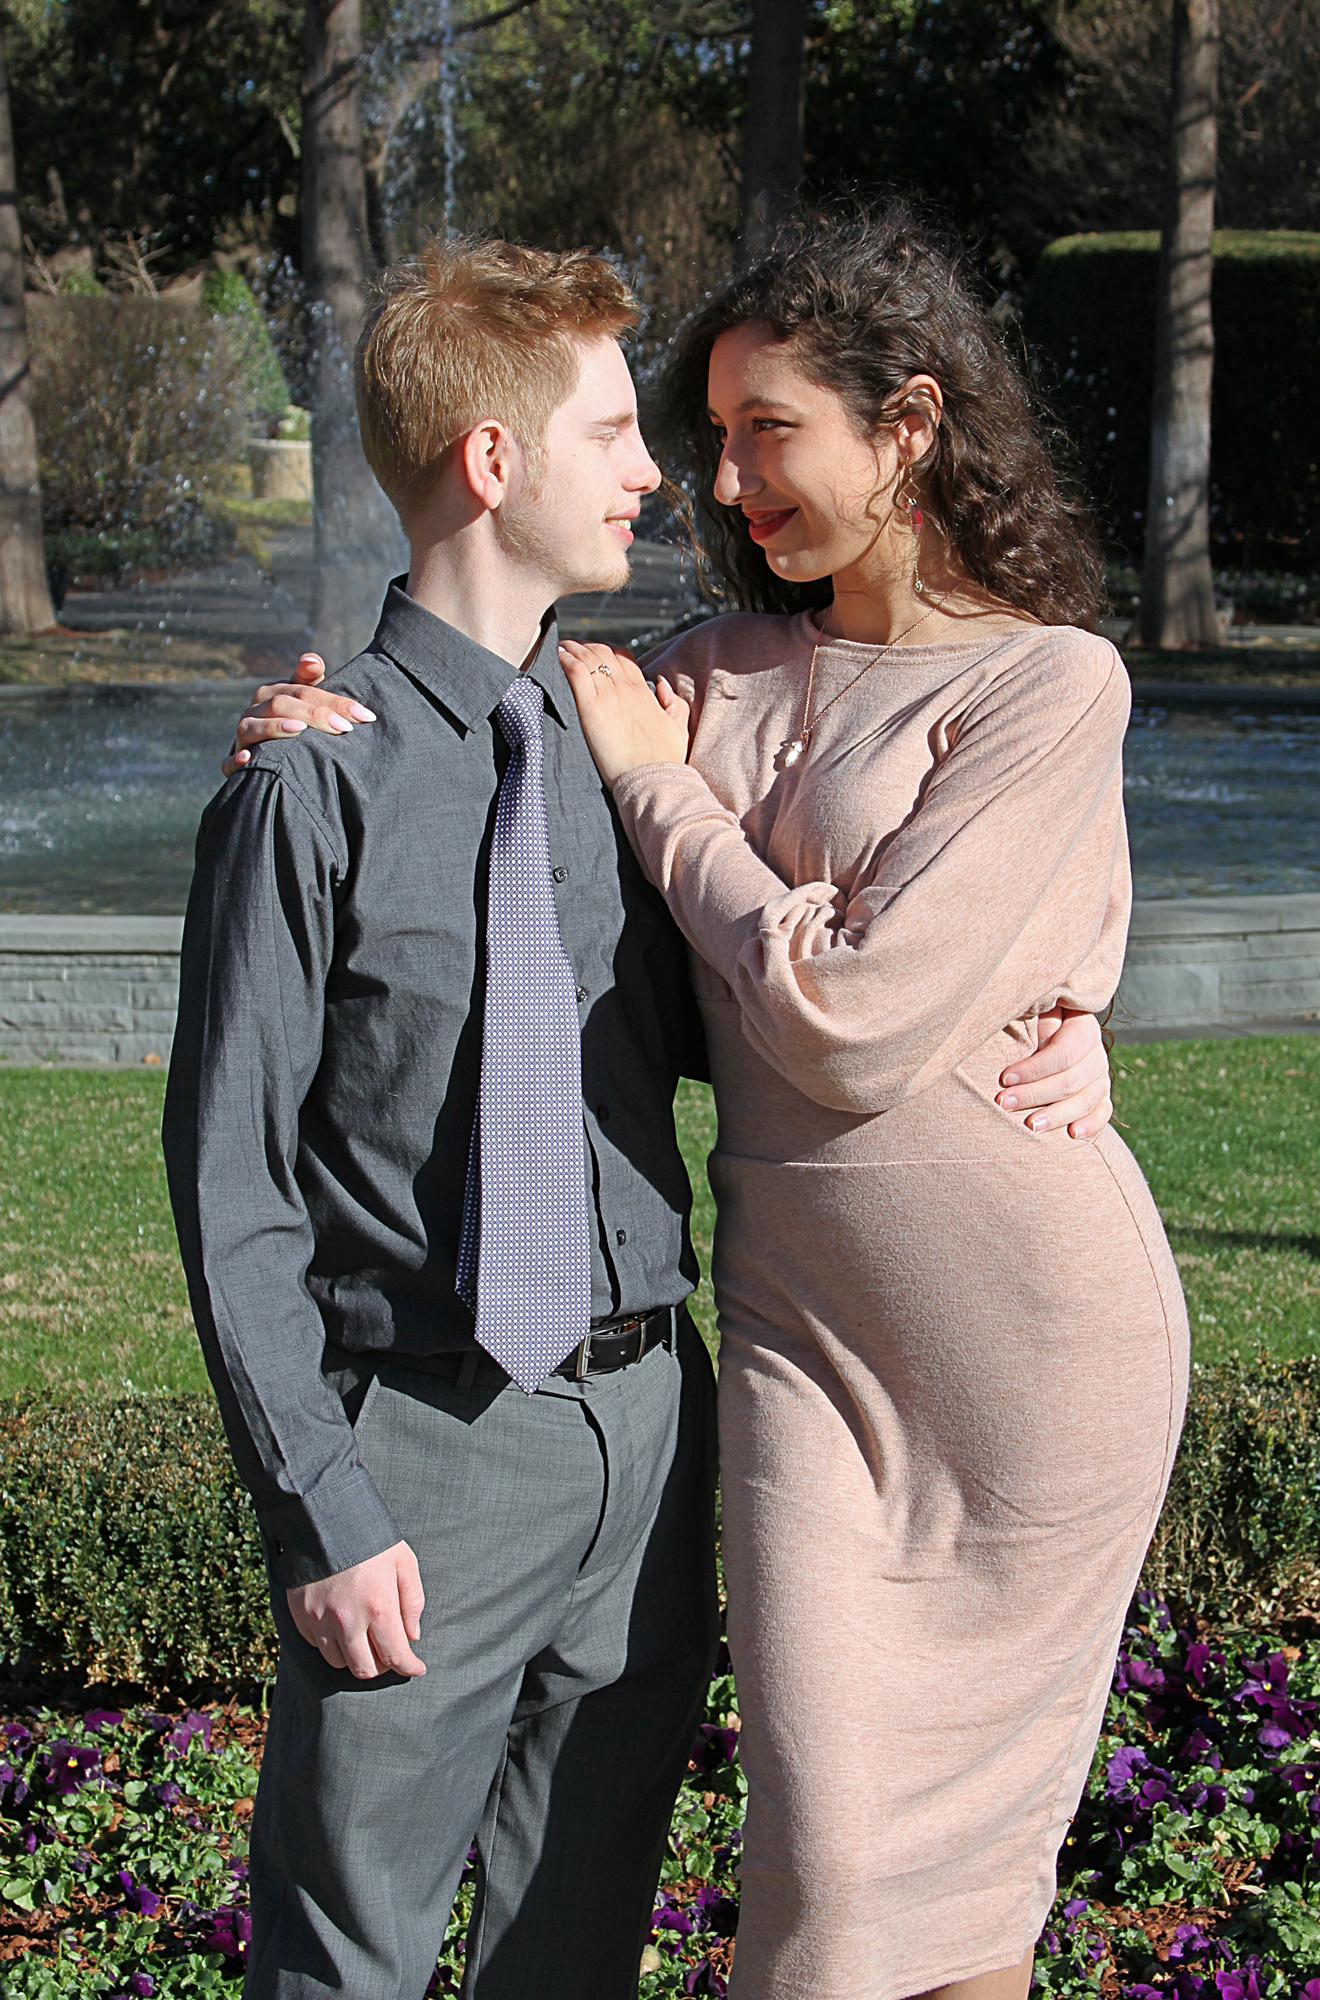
[954, 1352]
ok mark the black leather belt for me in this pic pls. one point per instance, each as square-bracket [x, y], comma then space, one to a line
[614, 1343]
[617, 1342]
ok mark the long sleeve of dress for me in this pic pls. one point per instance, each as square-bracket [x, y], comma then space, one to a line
[257, 946]
[973, 914]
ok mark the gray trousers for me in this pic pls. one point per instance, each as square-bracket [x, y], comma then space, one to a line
[565, 1542]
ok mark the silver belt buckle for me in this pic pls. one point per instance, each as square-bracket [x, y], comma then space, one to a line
[583, 1360]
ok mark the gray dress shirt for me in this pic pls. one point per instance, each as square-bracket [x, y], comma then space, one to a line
[325, 1071]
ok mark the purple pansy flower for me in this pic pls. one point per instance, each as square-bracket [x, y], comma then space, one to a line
[228, 1931]
[1200, 1659]
[714, 1748]
[67, 1767]
[716, 1911]
[97, 1719]
[704, 1978]
[167, 1793]
[1123, 1768]
[1242, 1985]
[138, 1896]
[186, 1732]
[1198, 1748]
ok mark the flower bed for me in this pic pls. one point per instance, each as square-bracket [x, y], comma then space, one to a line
[1192, 1870]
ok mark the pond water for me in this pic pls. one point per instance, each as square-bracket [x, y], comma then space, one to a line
[101, 788]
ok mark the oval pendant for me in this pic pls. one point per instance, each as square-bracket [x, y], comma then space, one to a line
[791, 752]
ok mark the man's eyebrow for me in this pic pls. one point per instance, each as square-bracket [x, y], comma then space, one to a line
[615, 423]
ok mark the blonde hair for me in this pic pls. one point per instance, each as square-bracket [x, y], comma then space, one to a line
[474, 328]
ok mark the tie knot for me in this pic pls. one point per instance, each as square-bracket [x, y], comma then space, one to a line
[519, 713]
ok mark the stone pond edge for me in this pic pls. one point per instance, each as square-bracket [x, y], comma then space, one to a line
[98, 990]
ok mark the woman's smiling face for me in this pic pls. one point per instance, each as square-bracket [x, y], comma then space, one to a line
[816, 492]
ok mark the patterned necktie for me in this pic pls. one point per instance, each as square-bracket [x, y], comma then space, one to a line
[529, 1282]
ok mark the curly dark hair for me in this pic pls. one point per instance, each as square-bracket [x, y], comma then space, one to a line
[869, 298]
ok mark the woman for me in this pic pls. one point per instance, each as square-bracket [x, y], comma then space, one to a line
[886, 810]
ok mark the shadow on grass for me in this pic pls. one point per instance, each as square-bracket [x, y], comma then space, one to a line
[1243, 1239]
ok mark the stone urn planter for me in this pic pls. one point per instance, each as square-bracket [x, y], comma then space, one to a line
[281, 468]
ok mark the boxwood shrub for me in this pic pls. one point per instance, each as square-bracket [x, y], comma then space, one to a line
[128, 1550]
[1089, 317]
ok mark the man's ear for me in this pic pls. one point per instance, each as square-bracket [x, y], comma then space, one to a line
[488, 456]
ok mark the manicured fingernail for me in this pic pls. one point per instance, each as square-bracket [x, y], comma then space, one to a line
[1010, 1076]
[293, 728]
[363, 714]
[564, 653]
[1009, 1102]
[242, 756]
[1040, 1123]
[341, 723]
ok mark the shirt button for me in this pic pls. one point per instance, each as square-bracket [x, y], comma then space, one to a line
[603, 1113]
[581, 994]
[560, 874]
[621, 1237]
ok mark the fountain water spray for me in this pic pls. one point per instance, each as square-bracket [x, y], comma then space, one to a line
[449, 111]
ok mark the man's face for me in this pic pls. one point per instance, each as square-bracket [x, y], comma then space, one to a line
[572, 521]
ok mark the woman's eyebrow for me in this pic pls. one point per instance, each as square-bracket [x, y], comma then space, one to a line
[757, 403]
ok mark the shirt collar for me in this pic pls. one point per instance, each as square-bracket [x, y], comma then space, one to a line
[467, 678]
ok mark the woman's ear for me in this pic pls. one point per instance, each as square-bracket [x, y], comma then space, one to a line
[919, 411]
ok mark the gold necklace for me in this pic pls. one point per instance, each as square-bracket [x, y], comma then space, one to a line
[795, 748]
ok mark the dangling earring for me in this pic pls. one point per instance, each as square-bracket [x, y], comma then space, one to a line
[906, 498]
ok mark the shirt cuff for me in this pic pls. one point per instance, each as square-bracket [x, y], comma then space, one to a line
[312, 1537]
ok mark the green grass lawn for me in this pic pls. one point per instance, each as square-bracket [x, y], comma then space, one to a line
[91, 1298]
[1226, 1134]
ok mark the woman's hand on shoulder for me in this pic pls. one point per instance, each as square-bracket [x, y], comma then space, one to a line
[625, 720]
[286, 708]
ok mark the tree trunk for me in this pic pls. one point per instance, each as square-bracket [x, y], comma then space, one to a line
[772, 148]
[25, 604]
[1177, 591]
[358, 542]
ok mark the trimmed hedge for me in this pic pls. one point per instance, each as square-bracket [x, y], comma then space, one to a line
[229, 297]
[1239, 1539]
[1089, 316]
[128, 1550]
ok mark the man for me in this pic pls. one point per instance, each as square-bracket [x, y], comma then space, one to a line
[421, 1151]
